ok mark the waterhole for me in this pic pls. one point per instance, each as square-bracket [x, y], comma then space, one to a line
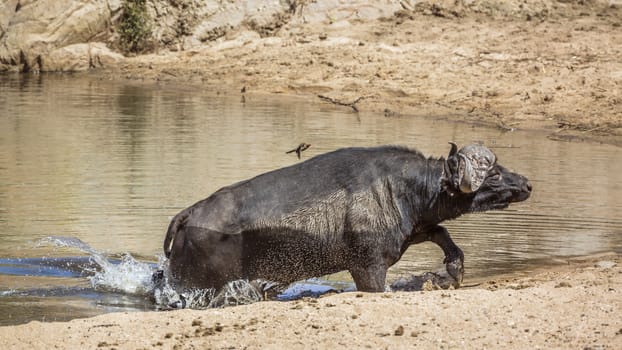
[92, 171]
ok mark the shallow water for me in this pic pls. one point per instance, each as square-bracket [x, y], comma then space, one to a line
[110, 163]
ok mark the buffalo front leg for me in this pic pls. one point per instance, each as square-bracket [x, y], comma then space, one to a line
[454, 258]
[370, 279]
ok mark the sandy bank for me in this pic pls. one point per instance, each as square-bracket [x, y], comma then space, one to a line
[560, 71]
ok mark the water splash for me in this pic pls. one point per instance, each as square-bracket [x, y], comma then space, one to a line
[130, 276]
[127, 275]
[67, 242]
[239, 292]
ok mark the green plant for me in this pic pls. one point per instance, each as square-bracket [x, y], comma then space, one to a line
[135, 26]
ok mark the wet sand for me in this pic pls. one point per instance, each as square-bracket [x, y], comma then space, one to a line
[574, 304]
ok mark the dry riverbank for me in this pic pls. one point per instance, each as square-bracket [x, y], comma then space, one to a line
[511, 67]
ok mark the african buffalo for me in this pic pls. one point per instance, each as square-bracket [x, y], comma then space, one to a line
[355, 209]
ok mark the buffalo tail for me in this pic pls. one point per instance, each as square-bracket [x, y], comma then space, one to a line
[176, 224]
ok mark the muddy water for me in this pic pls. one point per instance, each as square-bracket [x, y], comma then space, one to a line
[109, 163]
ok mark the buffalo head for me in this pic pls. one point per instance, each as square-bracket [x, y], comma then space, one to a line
[473, 172]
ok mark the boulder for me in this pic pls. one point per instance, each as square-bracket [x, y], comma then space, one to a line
[201, 21]
[79, 57]
[33, 32]
[68, 35]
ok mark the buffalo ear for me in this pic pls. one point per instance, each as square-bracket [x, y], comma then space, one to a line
[466, 169]
[474, 162]
[465, 175]
[449, 182]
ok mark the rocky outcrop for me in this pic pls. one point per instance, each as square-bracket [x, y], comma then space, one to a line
[192, 23]
[50, 35]
[71, 35]
[79, 57]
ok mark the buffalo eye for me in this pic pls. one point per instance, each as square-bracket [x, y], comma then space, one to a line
[495, 174]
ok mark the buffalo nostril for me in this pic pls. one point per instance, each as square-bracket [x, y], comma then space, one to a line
[528, 186]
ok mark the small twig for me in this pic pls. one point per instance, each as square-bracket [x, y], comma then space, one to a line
[501, 124]
[341, 103]
[166, 71]
[506, 126]
[564, 126]
[594, 129]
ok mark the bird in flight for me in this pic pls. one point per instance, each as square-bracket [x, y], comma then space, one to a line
[301, 147]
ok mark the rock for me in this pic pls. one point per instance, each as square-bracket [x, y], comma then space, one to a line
[101, 56]
[331, 11]
[34, 32]
[59, 35]
[68, 58]
[7, 9]
[605, 264]
[79, 57]
[427, 281]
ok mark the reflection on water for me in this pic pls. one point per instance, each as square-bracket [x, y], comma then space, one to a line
[110, 163]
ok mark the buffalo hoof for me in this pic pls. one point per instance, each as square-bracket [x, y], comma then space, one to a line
[179, 304]
[455, 269]
[157, 278]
